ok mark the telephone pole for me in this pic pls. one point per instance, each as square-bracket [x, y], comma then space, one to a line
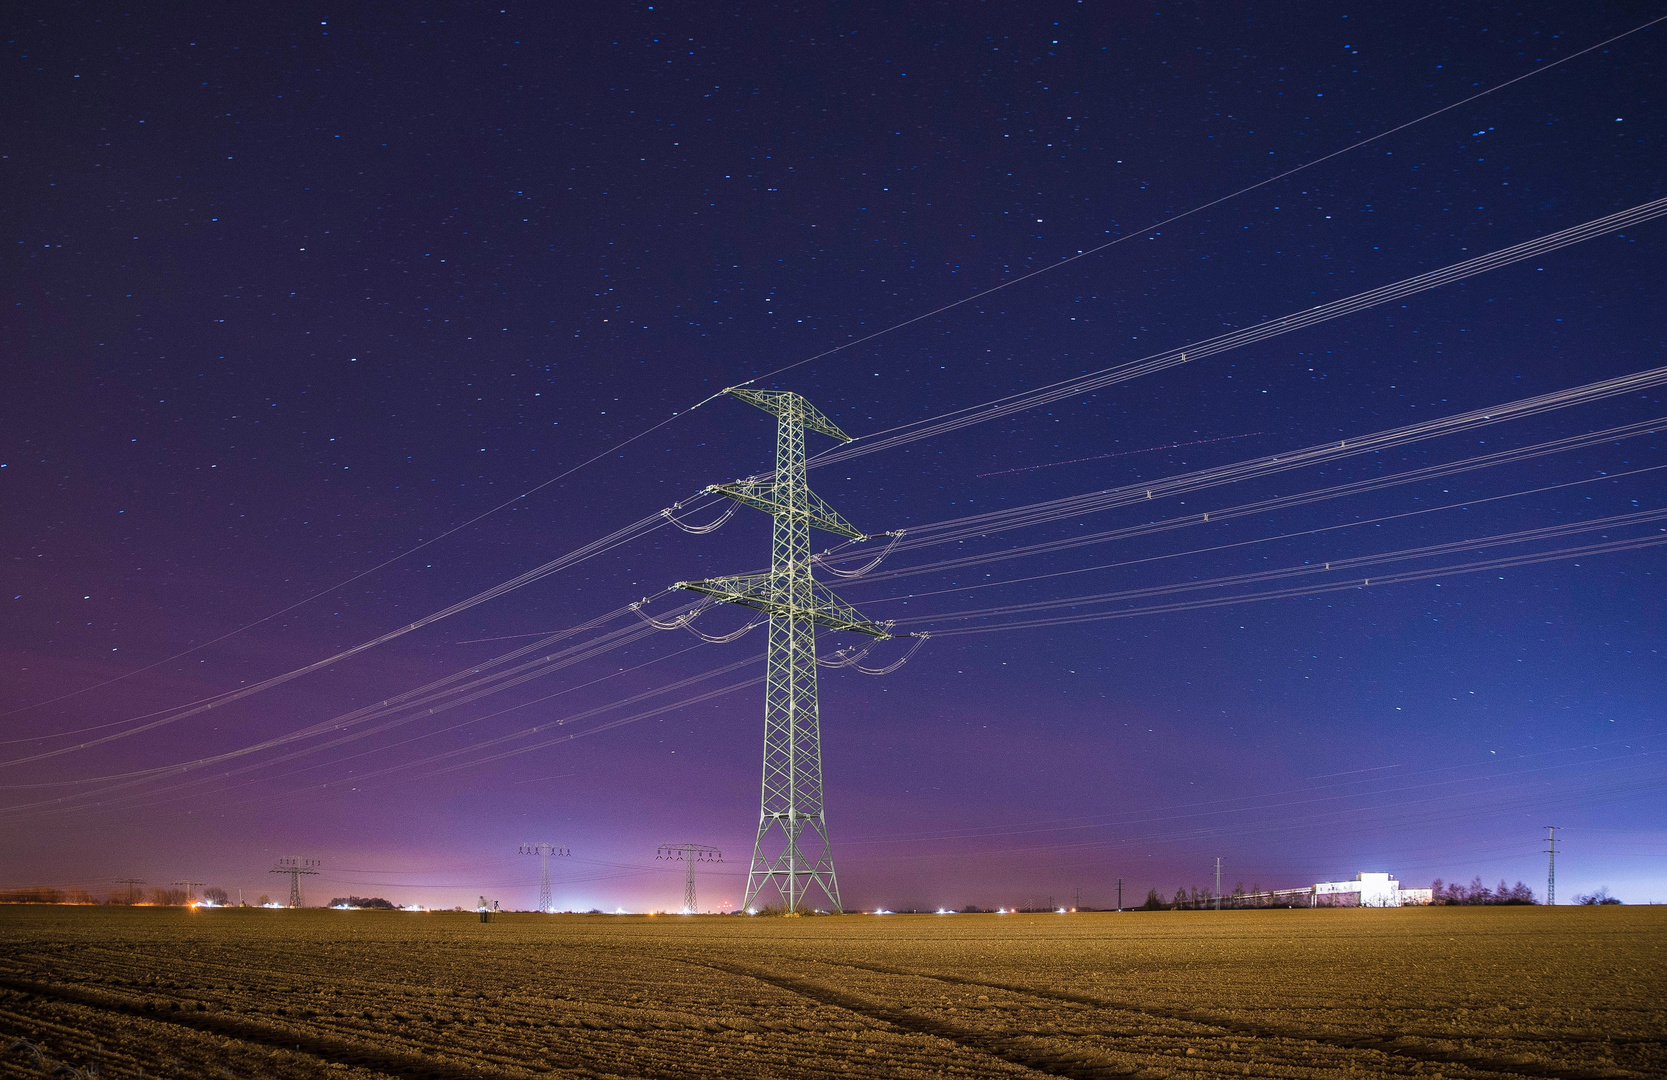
[132, 884]
[1119, 894]
[791, 853]
[1551, 865]
[688, 855]
[296, 869]
[545, 849]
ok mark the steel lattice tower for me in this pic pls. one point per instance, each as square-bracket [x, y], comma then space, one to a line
[689, 854]
[545, 849]
[791, 814]
[295, 868]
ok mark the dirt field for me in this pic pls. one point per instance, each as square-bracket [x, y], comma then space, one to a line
[240, 994]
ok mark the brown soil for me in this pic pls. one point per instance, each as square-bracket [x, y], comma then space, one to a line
[243, 994]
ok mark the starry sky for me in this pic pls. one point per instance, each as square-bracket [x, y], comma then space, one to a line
[316, 322]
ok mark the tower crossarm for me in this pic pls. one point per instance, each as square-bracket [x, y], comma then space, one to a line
[761, 494]
[790, 406]
[754, 591]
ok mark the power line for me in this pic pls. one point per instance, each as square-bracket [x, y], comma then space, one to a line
[1205, 206]
[1098, 380]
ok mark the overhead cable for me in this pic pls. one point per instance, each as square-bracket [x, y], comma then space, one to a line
[578, 555]
[1262, 506]
[1097, 380]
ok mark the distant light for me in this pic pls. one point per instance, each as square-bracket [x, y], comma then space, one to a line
[1001, 911]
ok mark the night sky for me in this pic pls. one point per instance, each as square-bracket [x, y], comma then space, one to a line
[298, 301]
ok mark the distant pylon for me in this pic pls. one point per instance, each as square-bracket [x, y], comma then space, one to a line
[190, 887]
[1551, 865]
[295, 868]
[797, 604]
[689, 854]
[132, 884]
[544, 849]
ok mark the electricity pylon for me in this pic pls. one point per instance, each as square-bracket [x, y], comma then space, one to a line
[295, 868]
[1551, 865]
[132, 884]
[689, 854]
[797, 604]
[190, 890]
[545, 849]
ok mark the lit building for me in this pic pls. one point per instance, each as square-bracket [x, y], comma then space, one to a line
[1368, 890]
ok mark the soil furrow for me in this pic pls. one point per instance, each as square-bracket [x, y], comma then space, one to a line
[331, 1051]
[995, 1044]
[1386, 1046]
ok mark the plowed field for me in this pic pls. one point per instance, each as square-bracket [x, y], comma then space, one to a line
[241, 994]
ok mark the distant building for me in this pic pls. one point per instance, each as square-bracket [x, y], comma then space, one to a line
[1368, 890]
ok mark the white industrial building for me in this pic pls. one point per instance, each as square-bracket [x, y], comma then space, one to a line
[1371, 890]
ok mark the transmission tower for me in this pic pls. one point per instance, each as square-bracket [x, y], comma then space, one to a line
[190, 894]
[132, 884]
[1551, 865]
[791, 804]
[295, 868]
[544, 850]
[689, 854]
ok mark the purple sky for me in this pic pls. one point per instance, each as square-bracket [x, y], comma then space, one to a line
[288, 294]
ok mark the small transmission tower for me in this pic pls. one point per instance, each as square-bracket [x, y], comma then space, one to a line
[791, 804]
[191, 891]
[295, 868]
[132, 884]
[544, 850]
[689, 854]
[1551, 865]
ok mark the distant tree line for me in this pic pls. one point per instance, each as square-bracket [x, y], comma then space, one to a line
[120, 897]
[1476, 893]
[1195, 898]
[1198, 899]
[362, 902]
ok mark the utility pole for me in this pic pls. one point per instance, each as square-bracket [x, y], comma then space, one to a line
[792, 852]
[544, 849]
[688, 855]
[1218, 882]
[190, 897]
[1119, 894]
[132, 884]
[1551, 865]
[296, 869]
[1076, 902]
